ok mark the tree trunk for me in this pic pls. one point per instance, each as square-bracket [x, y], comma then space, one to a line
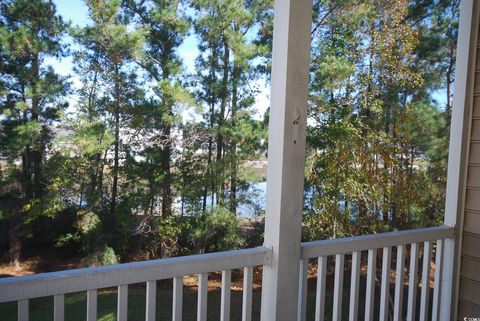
[221, 118]
[36, 156]
[166, 168]
[233, 141]
[31, 170]
[93, 180]
[208, 179]
[15, 246]
[449, 75]
[113, 202]
[100, 175]
[166, 158]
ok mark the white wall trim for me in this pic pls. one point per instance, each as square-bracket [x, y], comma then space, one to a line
[459, 154]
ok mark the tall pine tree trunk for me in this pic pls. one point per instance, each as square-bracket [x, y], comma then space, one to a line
[166, 169]
[96, 159]
[209, 179]
[15, 246]
[36, 155]
[206, 181]
[31, 169]
[166, 158]
[449, 82]
[116, 143]
[233, 141]
[221, 119]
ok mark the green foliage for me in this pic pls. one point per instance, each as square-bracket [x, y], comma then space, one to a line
[67, 240]
[104, 256]
[167, 234]
[216, 230]
[377, 147]
[140, 180]
[32, 99]
[225, 71]
[27, 134]
[88, 224]
[89, 231]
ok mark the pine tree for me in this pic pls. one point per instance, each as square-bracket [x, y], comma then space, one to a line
[167, 26]
[225, 70]
[111, 48]
[31, 101]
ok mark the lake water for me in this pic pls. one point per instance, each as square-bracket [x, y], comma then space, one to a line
[253, 201]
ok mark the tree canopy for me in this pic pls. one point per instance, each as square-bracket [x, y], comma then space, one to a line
[137, 156]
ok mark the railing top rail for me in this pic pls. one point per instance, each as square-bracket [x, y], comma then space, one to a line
[46, 284]
[374, 241]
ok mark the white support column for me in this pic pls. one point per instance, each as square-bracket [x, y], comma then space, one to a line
[286, 157]
[458, 154]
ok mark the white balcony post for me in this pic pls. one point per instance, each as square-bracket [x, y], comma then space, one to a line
[286, 157]
[458, 158]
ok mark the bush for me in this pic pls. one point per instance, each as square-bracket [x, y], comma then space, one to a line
[255, 234]
[216, 230]
[104, 256]
[164, 240]
[89, 230]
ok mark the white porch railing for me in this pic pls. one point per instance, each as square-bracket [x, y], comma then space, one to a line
[58, 284]
[23, 288]
[321, 250]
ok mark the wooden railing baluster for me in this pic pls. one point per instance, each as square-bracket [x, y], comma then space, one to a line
[151, 301]
[412, 283]
[399, 275]
[22, 309]
[385, 286]
[92, 305]
[202, 297]
[122, 303]
[370, 292]
[225, 299]
[438, 281]
[338, 287]
[427, 259]
[177, 298]
[302, 291]
[59, 307]
[320, 293]
[247, 294]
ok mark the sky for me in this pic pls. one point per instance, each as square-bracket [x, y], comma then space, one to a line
[76, 12]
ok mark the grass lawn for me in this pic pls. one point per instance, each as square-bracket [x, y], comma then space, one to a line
[76, 305]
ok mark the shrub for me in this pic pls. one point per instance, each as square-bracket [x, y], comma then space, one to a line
[105, 256]
[89, 230]
[216, 230]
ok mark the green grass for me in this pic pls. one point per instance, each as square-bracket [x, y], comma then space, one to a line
[75, 305]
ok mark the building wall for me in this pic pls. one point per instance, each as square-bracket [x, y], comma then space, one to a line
[469, 288]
